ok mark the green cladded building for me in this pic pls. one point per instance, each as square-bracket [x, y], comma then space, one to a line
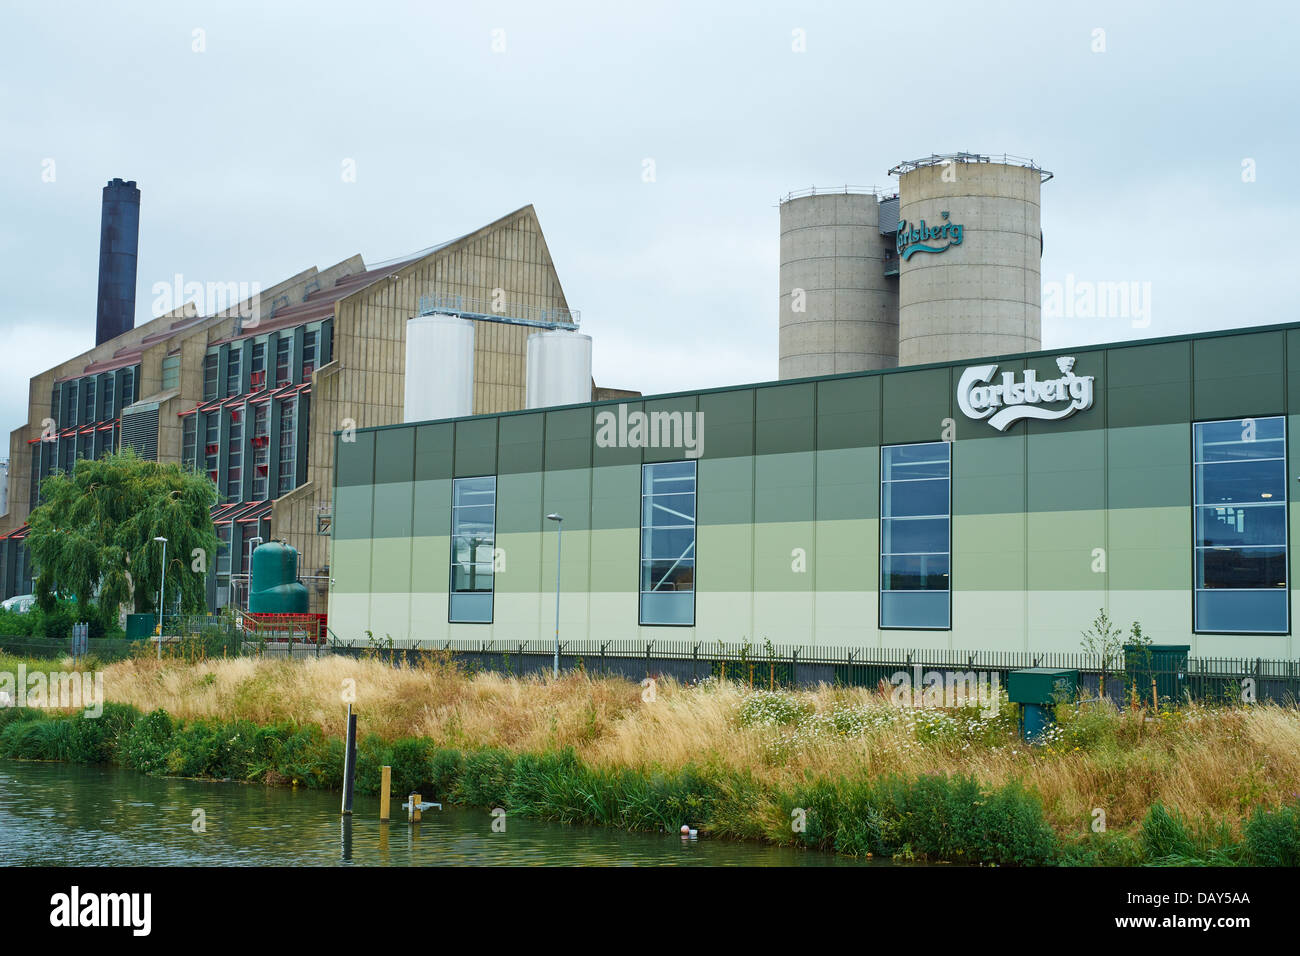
[986, 504]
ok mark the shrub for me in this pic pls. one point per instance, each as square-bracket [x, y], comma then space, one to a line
[148, 743]
[1272, 837]
[485, 779]
[1164, 835]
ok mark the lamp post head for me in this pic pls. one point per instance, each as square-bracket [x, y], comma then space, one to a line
[555, 517]
[161, 538]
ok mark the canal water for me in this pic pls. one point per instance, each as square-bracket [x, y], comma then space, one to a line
[70, 815]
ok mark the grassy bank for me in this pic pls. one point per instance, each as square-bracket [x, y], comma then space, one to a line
[834, 768]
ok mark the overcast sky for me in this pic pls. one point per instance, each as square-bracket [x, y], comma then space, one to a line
[239, 151]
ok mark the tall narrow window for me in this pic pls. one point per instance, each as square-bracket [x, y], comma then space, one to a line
[257, 367]
[189, 440]
[473, 542]
[106, 398]
[210, 363]
[235, 460]
[309, 353]
[915, 539]
[1241, 526]
[261, 449]
[288, 477]
[232, 368]
[171, 371]
[668, 543]
[283, 349]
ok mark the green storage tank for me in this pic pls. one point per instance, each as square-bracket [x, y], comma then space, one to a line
[275, 588]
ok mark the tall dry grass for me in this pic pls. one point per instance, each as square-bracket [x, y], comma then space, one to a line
[1208, 764]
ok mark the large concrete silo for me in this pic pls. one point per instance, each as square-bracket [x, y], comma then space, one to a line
[839, 307]
[970, 244]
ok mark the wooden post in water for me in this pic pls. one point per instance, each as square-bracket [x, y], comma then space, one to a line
[385, 781]
[349, 761]
[413, 811]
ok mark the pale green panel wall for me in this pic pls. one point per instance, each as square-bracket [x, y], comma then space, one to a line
[432, 507]
[523, 616]
[616, 496]
[1067, 470]
[429, 615]
[847, 556]
[353, 511]
[349, 614]
[1149, 466]
[520, 534]
[615, 565]
[1151, 548]
[431, 565]
[350, 565]
[726, 557]
[776, 557]
[987, 620]
[989, 475]
[1165, 616]
[846, 618]
[1056, 618]
[719, 616]
[724, 540]
[394, 501]
[782, 617]
[1061, 545]
[568, 492]
[848, 483]
[784, 487]
[390, 568]
[725, 491]
[988, 552]
[614, 616]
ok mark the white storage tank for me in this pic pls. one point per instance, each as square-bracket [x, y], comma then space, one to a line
[559, 368]
[439, 368]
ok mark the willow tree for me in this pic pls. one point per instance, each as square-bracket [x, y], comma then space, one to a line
[92, 537]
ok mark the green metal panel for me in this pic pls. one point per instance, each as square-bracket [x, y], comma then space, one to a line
[848, 483]
[521, 444]
[354, 461]
[395, 455]
[1241, 376]
[1041, 685]
[1149, 467]
[989, 476]
[1067, 470]
[848, 412]
[519, 503]
[1085, 363]
[784, 418]
[394, 510]
[1148, 384]
[432, 507]
[390, 568]
[728, 423]
[610, 449]
[568, 439]
[353, 512]
[433, 451]
[725, 491]
[567, 493]
[476, 447]
[1293, 371]
[917, 404]
[784, 487]
[668, 424]
[616, 497]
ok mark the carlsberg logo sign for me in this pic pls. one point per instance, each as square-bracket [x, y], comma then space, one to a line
[1009, 401]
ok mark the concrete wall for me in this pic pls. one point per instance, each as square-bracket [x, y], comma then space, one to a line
[981, 297]
[831, 248]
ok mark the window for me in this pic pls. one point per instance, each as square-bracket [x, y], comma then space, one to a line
[210, 362]
[1240, 560]
[473, 541]
[106, 398]
[235, 460]
[128, 386]
[211, 444]
[257, 367]
[232, 369]
[171, 372]
[915, 535]
[189, 436]
[283, 349]
[309, 353]
[288, 479]
[261, 450]
[88, 401]
[668, 543]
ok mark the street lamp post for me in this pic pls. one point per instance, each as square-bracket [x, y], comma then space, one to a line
[248, 603]
[559, 540]
[162, 592]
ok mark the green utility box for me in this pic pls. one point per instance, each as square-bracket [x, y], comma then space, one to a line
[1040, 685]
[1167, 663]
[1036, 690]
[139, 625]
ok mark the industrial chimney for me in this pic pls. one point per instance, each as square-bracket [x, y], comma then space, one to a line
[119, 240]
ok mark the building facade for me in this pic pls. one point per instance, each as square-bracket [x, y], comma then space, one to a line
[992, 503]
[251, 394]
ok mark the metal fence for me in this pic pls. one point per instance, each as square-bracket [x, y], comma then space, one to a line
[783, 665]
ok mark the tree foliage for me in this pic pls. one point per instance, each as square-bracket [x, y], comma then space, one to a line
[93, 533]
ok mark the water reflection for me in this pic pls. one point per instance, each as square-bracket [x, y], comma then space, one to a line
[57, 814]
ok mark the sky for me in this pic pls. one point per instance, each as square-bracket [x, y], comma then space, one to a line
[1171, 130]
